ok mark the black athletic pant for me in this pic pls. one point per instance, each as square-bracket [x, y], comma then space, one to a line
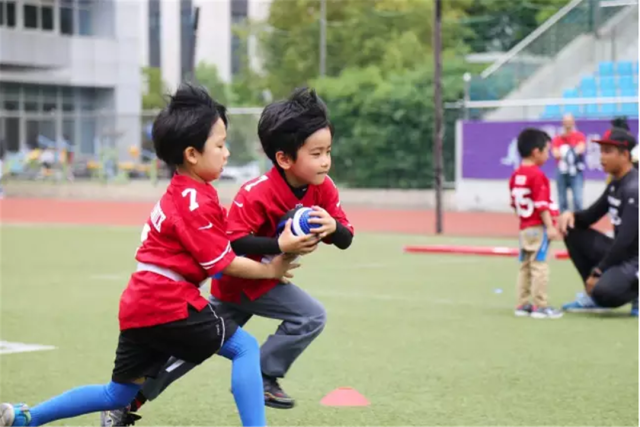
[618, 284]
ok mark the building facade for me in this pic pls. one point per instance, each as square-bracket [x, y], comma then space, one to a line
[166, 32]
[70, 74]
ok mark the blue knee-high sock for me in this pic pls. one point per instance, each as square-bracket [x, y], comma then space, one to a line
[246, 377]
[84, 400]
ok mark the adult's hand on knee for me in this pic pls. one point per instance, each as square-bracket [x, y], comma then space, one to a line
[566, 222]
[591, 283]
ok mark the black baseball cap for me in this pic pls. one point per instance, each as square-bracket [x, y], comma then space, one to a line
[620, 138]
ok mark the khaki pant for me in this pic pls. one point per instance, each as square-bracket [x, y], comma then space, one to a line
[534, 270]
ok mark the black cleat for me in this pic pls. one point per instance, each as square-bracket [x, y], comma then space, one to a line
[274, 396]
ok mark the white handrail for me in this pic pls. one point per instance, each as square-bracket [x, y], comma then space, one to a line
[618, 18]
[544, 101]
[617, 3]
[530, 38]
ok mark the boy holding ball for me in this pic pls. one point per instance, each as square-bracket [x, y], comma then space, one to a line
[296, 135]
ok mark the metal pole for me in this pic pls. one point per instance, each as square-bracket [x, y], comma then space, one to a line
[467, 95]
[323, 38]
[196, 19]
[438, 112]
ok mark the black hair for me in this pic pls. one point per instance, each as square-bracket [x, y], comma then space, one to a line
[530, 139]
[285, 125]
[620, 122]
[185, 122]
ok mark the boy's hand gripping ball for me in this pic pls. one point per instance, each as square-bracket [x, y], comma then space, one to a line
[300, 224]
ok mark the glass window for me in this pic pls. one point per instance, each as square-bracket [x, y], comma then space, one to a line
[68, 133]
[10, 91]
[2, 7]
[66, 20]
[87, 135]
[12, 126]
[68, 105]
[33, 130]
[85, 27]
[49, 106]
[47, 18]
[47, 133]
[11, 14]
[30, 16]
[31, 106]
[12, 134]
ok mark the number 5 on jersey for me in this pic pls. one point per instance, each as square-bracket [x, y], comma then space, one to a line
[522, 201]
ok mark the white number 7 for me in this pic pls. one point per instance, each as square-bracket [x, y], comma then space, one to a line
[193, 205]
[263, 178]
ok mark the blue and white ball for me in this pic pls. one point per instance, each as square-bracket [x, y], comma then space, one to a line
[300, 224]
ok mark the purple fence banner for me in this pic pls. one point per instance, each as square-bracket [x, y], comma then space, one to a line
[489, 149]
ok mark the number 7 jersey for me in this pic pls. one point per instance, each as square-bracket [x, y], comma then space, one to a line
[183, 242]
[530, 192]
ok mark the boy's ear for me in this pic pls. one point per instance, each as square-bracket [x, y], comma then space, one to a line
[284, 161]
[190, 155]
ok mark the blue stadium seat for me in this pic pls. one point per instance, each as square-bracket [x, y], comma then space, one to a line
[589, 92]
[552, 112]
[629, 109]
[605, 68]
[608, 93]
[635, 68]
[591, 110]
[576, 110]
[607, 83]
[608, 109]
[624, 68]
[570, 93]
[626, 82]
[629, 91]
[588, 83]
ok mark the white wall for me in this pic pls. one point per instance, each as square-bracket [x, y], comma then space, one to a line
[170, 42]
[213, 44]
[143, 32]
[258, 11]
[214, 35]
[128, 85]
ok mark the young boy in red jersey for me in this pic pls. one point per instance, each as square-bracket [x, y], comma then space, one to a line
[162, 313]
[296, 135]
[531, 198]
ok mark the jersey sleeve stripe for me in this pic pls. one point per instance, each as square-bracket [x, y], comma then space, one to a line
[209, 264]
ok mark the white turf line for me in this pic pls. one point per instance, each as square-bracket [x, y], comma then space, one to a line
[7, 347]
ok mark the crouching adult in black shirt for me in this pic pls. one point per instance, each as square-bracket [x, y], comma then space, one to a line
[608, 267]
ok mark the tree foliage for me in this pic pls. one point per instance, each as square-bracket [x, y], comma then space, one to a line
[153, 98]
[384, 125]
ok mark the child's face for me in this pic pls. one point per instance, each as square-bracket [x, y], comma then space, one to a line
[208, 165]
[540, 157]
[314, 159]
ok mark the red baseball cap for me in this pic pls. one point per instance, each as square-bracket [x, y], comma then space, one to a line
[618, 137]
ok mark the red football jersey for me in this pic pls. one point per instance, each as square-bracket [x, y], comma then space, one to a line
[531, 195]
[257, 209]
[185, 239]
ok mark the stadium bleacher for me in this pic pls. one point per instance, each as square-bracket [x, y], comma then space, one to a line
[610, 80]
